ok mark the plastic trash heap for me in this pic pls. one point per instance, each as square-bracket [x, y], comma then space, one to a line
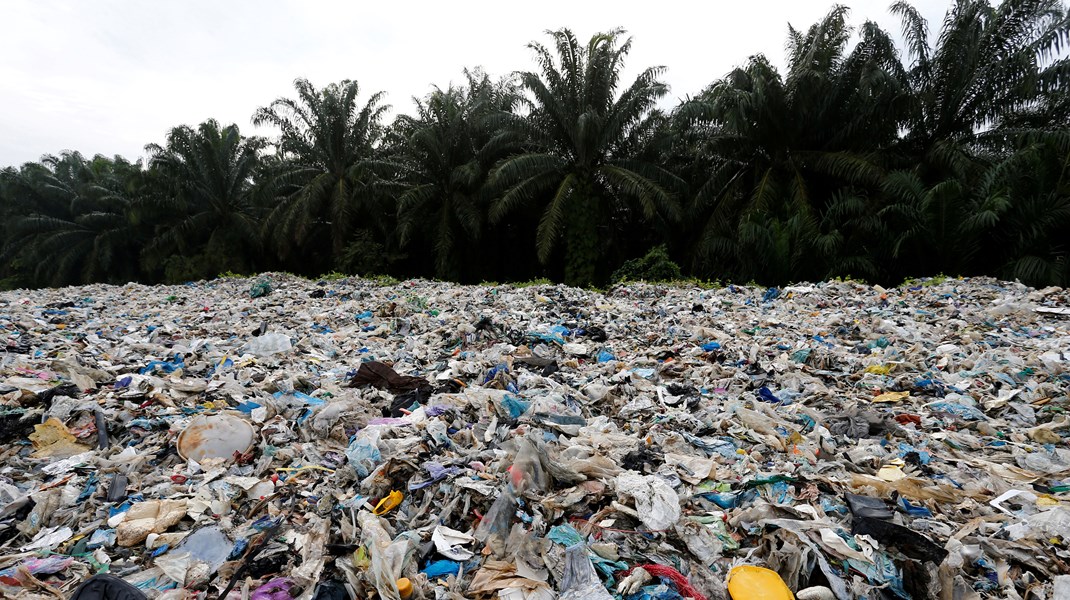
[279, 438]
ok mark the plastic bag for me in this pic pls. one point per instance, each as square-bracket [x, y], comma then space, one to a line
[527, 474]
[261, 287]
[597, 467]
[579, 581]
[1061, 587]
[268, 344]
[656, 502]
[208, 547]
[363, 452]
[106, 587]
[1053, 522]
[493, 529]
[275, 589]
[515, 406]
[387, 557]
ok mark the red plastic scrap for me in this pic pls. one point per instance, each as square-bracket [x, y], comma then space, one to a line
[906, 419]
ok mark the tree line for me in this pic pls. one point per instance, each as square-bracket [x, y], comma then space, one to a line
[859, 159]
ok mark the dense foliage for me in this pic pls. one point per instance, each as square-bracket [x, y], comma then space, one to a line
[860, 159]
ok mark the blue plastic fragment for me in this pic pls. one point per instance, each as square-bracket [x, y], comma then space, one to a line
[443, 568]
[164, 366]
[515, 406]
[914, 510]
[766, 395]
[238, 550]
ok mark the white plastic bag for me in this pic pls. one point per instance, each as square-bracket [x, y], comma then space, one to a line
[658, 504]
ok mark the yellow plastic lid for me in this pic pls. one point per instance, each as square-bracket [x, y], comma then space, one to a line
[404, 587]
[748, 582]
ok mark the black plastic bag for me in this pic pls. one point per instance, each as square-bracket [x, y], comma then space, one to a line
[106, 587]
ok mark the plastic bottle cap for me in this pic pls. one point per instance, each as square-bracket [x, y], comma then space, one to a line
[404, 587]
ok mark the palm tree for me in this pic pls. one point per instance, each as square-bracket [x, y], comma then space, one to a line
[987, 122]
[1022, 207]
[989, 66]
[786, 154]
[577, 165]
[857, 159]
[327, 167]
[74, 221]
[206, 205]
[446, 152]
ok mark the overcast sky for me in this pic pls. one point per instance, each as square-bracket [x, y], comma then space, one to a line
[110, 76]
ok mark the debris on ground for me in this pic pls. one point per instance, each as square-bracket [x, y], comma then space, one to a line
[341, 439]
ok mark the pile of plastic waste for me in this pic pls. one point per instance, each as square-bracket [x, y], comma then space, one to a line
[283, 438]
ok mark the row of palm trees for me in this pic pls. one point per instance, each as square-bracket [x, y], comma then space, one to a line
[860, 159]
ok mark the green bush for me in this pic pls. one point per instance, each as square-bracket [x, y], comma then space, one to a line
[180, 269]
[533, 282]
[655, 266]
[364, 256]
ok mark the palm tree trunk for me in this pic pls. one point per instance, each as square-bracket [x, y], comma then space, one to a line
[582, 244]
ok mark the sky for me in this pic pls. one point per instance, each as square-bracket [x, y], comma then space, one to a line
[110, 76]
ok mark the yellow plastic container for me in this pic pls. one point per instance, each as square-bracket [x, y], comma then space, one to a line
[404, 587]
[748, 582]
[388, 503]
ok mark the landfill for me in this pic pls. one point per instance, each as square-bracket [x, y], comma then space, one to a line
[279, 438]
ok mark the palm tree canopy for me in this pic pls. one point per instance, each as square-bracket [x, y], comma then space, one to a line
[207, 176]
[942, 147]
[326, 147]
[576, 122]
[446, 153]
[74, 222]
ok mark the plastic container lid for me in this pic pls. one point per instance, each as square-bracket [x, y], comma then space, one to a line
[748, 582]
[404, 587]
[215, 436]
